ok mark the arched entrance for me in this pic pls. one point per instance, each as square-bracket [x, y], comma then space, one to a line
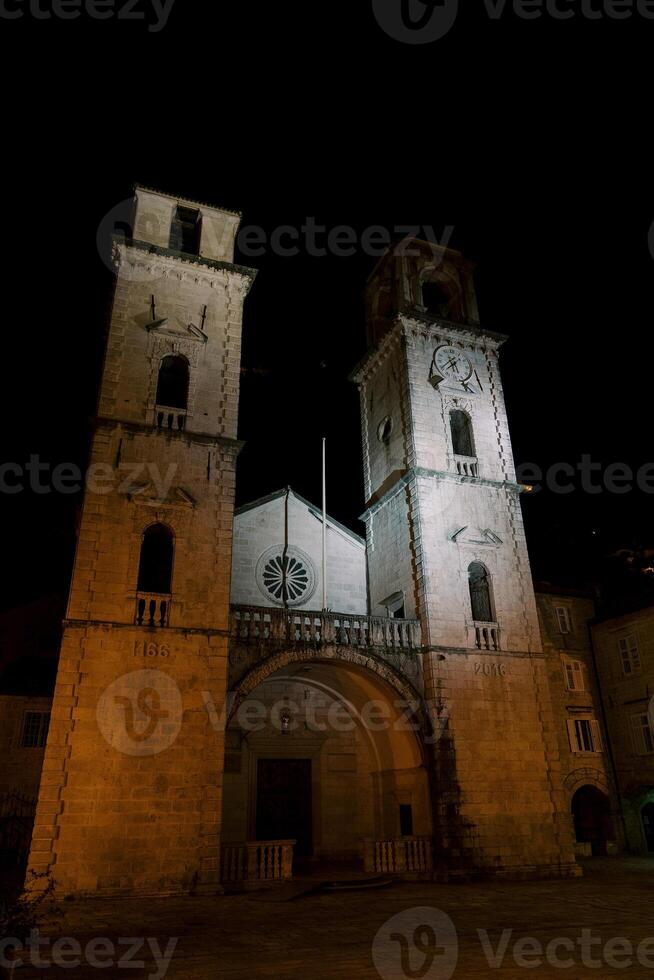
[326, 752]
[591, 813]
[647, 814]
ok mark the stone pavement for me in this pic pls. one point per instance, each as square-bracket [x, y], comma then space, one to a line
[333, 935]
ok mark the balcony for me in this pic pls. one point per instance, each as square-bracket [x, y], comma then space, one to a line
[169, 419]
[466, 465]
[484, 636]
[152, 609]
[261, 624]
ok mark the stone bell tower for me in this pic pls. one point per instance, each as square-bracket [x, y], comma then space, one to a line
[446, 544]
[130, 797]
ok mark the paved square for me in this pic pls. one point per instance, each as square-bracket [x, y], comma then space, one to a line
[329, 935]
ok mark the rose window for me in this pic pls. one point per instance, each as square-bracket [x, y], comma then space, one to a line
[286, 576]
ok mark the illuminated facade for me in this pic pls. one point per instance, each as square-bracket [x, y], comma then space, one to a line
[415, 724]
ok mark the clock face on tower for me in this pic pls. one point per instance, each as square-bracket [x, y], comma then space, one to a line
[452, 363]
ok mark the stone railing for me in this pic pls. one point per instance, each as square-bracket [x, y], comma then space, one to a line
[466, 465]
[484, 636]
[259, 623]
[152, 609]
[402, 855]
[257, 861]
[170, 419]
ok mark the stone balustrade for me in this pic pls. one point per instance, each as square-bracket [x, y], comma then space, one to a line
[152, 609]
[170, 419]
[484, 636]
[257, 861]
[259, 623]
[402, 855]
[466, 465]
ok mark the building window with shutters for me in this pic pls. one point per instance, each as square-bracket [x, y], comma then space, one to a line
[642, 733]
[573, 671]
[35, 729]
[563, 619]
[629, 654]
[585, 735]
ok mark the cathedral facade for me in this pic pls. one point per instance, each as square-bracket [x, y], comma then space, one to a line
[232, 696]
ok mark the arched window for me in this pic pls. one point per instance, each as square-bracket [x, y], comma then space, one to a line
[156, 564]
[436, 298]
[172, 386]
[480, 593]
[463, 442]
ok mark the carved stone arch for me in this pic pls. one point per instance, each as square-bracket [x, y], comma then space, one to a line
[443, 273]
[586, 777]
[344, 655]
[451, 402]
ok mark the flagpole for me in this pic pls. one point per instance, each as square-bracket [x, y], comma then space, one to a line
[324, 526]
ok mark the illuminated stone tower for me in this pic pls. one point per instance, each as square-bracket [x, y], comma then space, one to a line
[130, 797]
[446, 544]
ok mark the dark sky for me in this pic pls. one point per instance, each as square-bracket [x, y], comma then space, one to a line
[530, 138]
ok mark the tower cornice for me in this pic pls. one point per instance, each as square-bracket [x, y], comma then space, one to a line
[430, 326]
[416, 472]
[177, 262]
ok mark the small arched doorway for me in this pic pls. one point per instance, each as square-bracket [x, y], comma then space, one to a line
[591, 813]
[647, 814]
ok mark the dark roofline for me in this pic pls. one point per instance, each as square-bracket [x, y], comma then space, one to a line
[186, 200]
[629, 607]
[570, 591]
[307, 503]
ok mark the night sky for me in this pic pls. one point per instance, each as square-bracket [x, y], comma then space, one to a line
[529, 138]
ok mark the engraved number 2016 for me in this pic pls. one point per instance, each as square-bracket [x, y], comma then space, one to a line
[491, 670]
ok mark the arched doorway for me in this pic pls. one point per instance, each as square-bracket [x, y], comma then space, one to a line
[647, 814]
[591, 813]
[326, 753]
